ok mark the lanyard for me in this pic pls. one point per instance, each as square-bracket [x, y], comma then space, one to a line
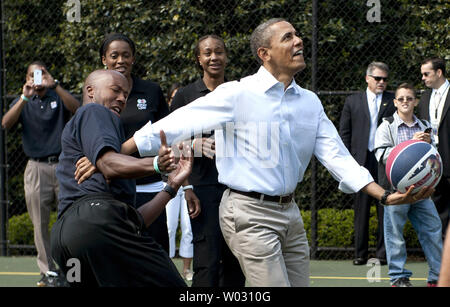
[436, 105]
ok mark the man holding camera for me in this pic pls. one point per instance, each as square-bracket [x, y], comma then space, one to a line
[43, 110]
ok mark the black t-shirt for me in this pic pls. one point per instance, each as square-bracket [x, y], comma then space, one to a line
[145, 103]
[43, 120]
[92, 129]
[204, 171]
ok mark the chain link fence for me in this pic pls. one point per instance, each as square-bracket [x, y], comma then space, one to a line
[340, 37]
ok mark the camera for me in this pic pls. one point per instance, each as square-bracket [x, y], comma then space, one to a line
[37, 75]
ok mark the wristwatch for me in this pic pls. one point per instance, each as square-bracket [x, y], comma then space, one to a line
[56, 84]
[385, 196]
[170, 190]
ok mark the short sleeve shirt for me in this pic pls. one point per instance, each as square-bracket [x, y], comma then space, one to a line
[43, 120]
[145, 103]
[93, 129]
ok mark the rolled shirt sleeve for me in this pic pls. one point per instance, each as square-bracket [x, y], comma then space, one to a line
[332, 153]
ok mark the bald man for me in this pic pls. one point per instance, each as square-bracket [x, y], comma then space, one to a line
[97, 223]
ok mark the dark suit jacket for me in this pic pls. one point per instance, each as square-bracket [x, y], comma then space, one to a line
[354, 125]
[444, 127]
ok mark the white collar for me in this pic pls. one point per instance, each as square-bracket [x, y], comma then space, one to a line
[441, 90]
[372, 95]
[400, 121]
[267, 81]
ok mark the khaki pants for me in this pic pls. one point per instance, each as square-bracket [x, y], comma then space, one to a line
[41, 196]
[267, 238]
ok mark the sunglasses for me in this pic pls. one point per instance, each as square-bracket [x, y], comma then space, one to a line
[408, 99]
[378, 79]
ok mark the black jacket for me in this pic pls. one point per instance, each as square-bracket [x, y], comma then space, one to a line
[354, 125]
[444, 128]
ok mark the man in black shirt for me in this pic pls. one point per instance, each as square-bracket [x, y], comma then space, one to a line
[97, 222]
[43, 109]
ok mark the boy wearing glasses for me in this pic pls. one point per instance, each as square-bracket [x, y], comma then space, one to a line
[402, 126]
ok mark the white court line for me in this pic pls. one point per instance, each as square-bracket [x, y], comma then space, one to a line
[355, 278]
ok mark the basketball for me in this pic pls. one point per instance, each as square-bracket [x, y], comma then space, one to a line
[415, 163]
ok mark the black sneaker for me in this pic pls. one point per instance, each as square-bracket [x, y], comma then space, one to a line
[401, 282]
[61, 280]
[43, 281]
[52, 279]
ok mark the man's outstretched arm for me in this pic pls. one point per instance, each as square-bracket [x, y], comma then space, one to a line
[397, 198]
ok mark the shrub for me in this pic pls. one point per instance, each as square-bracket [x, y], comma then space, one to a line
[20, 229]
[335, 228]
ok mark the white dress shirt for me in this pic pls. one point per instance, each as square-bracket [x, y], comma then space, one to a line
[265, 135]
[374, 102]
[437, 102]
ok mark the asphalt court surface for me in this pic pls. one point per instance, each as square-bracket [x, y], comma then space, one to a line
[23, 272]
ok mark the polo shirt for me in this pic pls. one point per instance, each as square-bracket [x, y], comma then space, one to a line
[91, 130]
[43, 120]
[204, 170]
[145, 103]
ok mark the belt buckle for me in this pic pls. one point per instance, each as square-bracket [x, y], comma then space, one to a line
[280, 201]
[52, 159]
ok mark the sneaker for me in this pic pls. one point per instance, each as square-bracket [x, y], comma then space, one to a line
[188, 274]
[43, 281]
[51, 279]
[401, 282]
[432, 284]
[61, 280]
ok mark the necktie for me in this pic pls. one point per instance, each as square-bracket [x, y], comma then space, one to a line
[373, 122]
[437, 102]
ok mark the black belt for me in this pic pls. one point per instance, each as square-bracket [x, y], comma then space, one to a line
[277, 199]
[49, 159]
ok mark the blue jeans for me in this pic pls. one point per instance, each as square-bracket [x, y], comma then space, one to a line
[427, 224]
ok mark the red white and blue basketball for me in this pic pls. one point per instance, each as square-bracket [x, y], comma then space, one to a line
[415, 163]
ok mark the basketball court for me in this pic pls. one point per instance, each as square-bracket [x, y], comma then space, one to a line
[22, 272]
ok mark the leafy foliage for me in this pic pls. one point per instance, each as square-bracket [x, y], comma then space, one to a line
[335, 228]
[20, 229]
